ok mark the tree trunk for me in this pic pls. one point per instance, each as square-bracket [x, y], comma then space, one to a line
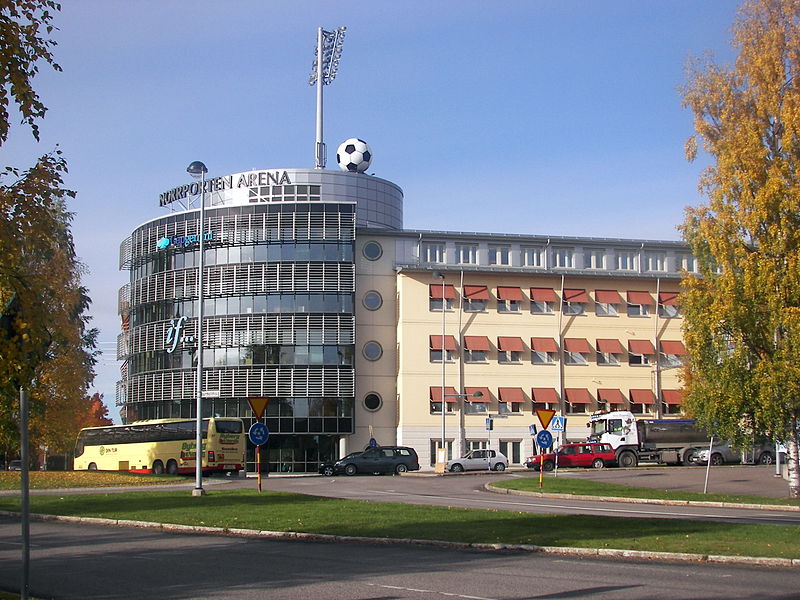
[792, 462]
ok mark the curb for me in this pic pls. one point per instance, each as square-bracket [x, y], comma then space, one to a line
[489, 487]
[321, 537]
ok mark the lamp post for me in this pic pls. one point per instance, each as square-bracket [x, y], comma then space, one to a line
[198, 169]
[443, 451]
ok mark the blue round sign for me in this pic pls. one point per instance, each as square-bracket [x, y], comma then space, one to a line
[258, 434]
[544, 438]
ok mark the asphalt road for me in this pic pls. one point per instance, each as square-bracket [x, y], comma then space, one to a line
[467, 491]
[84, 561]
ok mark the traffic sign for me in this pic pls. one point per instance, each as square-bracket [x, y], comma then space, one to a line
[545, 416]
[258, 434]
[258, 405]
[544, 438]
[558, 423]
[532, 430]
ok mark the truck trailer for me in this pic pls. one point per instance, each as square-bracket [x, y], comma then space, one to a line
[666, 441]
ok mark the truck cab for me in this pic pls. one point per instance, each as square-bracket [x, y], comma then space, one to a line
[617, 428]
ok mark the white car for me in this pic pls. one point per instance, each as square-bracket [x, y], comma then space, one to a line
[478, 460]
[725, 453]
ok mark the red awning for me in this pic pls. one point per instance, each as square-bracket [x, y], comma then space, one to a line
[640, 298]
[541, 344]
[610, 347]
[435, 291]
[642, 397]
[580, 345]
[608, 296]
[512, 394]
[612, 396]
[436, 342]
[509, 293]
[576, 296]
[543, 295]
[469, 391]
[544, 395]
[641, 347]
[476, 292]
[436, 393]
[578, 396]
[510, 344]
[672, 396]
[675, 347]
[668, 298]
[476, 342]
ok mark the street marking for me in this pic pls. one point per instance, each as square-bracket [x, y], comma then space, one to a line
[408, 589]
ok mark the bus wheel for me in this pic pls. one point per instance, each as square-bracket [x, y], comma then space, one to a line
[172, 467]
[92, 467]
[158, 467]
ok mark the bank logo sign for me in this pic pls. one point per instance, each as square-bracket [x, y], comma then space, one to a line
[181, 241]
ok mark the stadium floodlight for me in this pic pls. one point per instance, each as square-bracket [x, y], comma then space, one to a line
[323, 72]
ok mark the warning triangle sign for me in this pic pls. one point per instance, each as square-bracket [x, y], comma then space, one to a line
[258, 405]
[545, 416]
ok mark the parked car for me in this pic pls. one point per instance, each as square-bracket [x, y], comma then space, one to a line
[478, 460]
[327, 468]
[15, 465]
[725, 453]
[587, 454]
[383, 459]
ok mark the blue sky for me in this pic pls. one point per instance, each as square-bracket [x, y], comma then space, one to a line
[521, 116]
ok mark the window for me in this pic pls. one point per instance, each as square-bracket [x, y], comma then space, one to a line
[499, 255]
[563, 258]
[672, 401]
[372, 300]
[474, 408]
[578, 400]
[656, 261]
[512, 450]
[436, 399]
[670, 353]
[642, 401]
[686, 262]
[595, 259]
[639, 304]
[668, 305]
[433, 253]
[372, 402]
[574, 302]
[508, 299]
[509, 349]
[545, 398]
[638, 359]
[603, 309]
[607, 358]
[542, 300]
[612, 399]
[543, 351]
[576, 351]
[435, 292]
[533, 257]
[467, 254]
[626, 260]
[436, 349]
[475, 348]
[372, 251]
[372, 350]
[436, 444]
[475, 298]
[543, 358]
[540, 307]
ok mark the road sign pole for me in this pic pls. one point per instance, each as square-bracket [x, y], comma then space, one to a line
[541, 468]
[258, 466]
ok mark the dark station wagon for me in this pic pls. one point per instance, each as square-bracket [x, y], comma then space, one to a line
[383, 459]
[587, 454]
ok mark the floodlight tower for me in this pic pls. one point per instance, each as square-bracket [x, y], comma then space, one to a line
[323, 72]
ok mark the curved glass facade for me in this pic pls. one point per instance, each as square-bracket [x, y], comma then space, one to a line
[279, 279]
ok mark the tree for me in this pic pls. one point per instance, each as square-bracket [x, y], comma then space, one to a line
[742, 311]
[46, 344]
[97, 415]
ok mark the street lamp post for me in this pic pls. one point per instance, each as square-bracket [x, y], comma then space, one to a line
[443, 450]
[198, 169]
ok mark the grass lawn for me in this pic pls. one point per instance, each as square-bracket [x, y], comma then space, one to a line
[568, 485]
[10, 480]
[278, 511]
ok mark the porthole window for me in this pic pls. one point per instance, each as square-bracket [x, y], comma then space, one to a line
[372, 300]
[372, 350]
[372, 251]
[372, 402]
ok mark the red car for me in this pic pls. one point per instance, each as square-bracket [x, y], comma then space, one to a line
[586, 454]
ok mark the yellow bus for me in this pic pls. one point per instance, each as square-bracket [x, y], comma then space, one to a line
[162, 446]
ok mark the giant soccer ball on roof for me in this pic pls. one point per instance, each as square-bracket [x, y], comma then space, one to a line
[354, 155]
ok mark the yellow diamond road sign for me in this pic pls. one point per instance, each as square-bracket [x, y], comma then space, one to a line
[545, 416]
[259, 405]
